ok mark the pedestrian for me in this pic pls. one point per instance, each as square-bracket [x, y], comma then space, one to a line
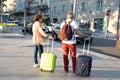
[69, 46]
[38, 37]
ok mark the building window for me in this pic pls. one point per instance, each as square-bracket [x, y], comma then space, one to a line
[72, 7]
[41, 1]
[55, 9]
[63, 8]
[99, 5]
[84, 6]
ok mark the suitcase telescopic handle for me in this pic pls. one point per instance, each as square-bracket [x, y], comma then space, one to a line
[88, 48]
[48, 44]
[52, 44]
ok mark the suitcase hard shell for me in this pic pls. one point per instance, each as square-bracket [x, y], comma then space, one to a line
[48, 61]
[84, 62]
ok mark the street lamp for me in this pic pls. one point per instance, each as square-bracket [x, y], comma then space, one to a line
[74, 7]
[25, 17]
[118, 20]
[50, 12]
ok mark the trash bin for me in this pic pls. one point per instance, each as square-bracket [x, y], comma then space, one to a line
[118, 43]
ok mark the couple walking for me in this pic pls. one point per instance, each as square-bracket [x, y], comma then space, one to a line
[67, 46]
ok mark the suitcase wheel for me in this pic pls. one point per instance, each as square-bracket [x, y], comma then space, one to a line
[41, 69]
[52, 70]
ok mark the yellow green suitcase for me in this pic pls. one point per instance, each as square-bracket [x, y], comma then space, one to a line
[48, 60]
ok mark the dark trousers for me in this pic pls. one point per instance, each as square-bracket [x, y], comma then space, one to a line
[66, 49]
[37, 48]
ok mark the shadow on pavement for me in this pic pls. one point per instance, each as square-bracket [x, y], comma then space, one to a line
[105, 73]
[99, 42]
[16, 37]
[105, 46]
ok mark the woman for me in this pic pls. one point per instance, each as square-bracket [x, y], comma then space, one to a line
[38, 37]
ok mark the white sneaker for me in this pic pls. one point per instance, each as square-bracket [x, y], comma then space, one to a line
[36, 65]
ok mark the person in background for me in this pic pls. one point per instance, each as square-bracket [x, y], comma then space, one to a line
[69, 46]
[38, 37]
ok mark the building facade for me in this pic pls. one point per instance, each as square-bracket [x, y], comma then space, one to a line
[10, 5]
[93, 11]
[32, 7]
[7, 9]
[59, 9]
[97, 13]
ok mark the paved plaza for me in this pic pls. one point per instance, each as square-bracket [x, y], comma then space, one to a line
[16, 62]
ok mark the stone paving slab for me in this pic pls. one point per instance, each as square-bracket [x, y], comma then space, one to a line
[16, 62]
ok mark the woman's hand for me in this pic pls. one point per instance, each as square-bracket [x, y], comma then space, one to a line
[50, 37]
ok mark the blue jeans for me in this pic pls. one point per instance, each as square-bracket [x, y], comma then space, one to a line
[37, 48]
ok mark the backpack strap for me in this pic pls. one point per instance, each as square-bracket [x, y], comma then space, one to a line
[70, 21]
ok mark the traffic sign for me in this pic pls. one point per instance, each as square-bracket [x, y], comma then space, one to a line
[108, 11]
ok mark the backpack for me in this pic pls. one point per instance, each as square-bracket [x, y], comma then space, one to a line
[66, 31]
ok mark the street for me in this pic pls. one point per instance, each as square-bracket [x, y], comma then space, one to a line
[16, 61]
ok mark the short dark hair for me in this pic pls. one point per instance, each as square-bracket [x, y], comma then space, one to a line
[37, 17]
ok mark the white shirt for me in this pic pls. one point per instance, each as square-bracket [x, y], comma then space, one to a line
[74, 26]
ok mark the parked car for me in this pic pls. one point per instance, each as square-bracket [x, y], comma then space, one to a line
[79, 39]
[28, 29]
[51, 26]
[13, 23]
[46, 30]
[85, 31]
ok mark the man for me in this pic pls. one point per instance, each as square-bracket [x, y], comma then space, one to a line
[70, 45]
